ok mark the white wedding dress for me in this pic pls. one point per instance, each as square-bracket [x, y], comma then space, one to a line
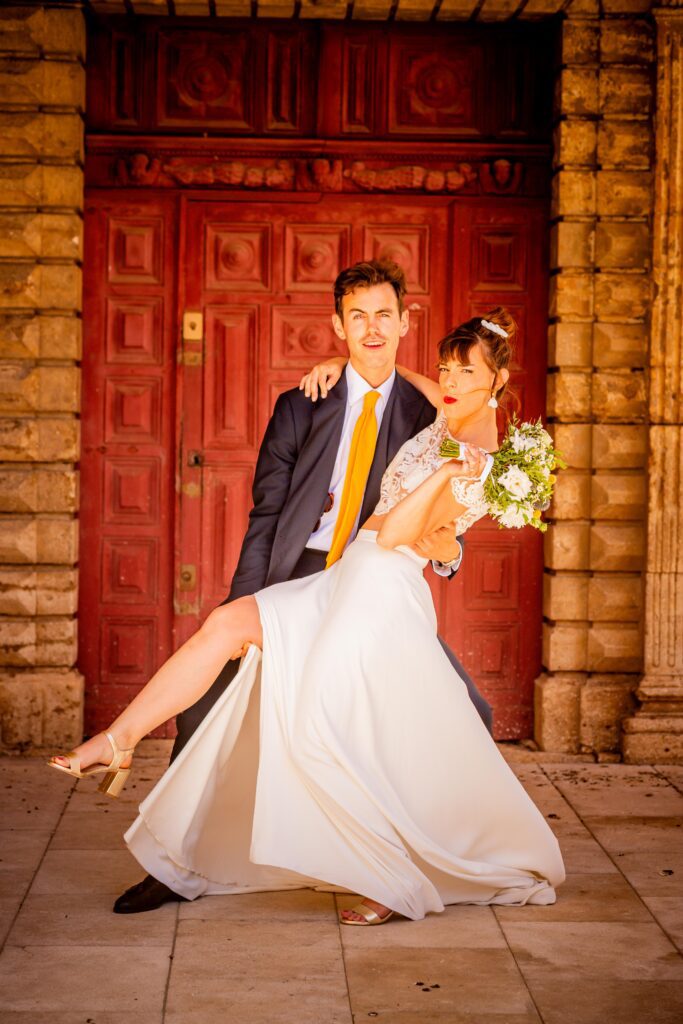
[348, 754]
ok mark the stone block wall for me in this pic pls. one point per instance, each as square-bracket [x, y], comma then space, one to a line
[598, 345]
[42, 94]
[601, 331]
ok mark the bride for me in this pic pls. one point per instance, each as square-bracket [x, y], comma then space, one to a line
[347, 753]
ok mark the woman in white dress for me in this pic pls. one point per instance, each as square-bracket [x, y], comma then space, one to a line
[347, 752]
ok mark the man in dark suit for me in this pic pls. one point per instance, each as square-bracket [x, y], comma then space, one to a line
[300, 475]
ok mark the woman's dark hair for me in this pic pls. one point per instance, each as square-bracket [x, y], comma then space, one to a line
[366, 274]
[495, 348]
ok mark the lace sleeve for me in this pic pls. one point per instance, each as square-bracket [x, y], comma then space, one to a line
[419, 458]
[413, 463]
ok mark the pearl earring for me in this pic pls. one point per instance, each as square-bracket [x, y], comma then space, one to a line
[492, 402]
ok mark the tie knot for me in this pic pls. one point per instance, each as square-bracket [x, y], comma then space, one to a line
[370, 400]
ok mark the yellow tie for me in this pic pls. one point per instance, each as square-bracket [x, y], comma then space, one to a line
[361, 455]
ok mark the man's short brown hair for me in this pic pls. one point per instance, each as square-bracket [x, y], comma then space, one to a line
[366, 274]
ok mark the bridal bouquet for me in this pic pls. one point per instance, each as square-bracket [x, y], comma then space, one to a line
[520, 485]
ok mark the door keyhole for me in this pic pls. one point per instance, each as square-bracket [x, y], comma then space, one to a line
[195, 459]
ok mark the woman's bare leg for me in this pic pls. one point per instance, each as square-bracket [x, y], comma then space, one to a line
[182, 679]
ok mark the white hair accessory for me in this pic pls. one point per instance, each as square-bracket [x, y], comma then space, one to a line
[495, 328]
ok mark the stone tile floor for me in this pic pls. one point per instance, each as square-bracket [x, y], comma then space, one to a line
[609, 950]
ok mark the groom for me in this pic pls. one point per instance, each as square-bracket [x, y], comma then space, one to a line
[301, 471]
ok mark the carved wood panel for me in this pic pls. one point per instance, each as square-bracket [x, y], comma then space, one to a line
[313, 254]
[330, 80]
[231, 339]
[437, 88]
[135, 250]
[302, 336]
[127, 453]
[206, 78]
[133, 330]
[237, 257]
[358, 85]
[226, 501]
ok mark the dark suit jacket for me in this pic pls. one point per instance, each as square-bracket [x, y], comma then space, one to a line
[294, 470]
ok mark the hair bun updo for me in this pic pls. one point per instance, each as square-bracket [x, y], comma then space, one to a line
[502, 318]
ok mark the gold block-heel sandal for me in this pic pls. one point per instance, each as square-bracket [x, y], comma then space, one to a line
[369, 917]
[114, 775]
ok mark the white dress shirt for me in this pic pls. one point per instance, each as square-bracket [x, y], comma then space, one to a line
[357, 389]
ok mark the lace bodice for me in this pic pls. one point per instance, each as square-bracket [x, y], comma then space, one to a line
[417, 459]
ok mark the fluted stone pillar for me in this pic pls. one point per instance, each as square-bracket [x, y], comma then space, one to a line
[655, 732]
[600, 288]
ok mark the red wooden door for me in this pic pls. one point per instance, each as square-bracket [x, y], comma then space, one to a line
[128, 444]
[491, 613]
[261, 275]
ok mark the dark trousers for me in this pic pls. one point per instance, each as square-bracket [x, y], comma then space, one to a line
[310, 562]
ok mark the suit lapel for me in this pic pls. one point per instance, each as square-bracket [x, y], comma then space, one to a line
[319, 452]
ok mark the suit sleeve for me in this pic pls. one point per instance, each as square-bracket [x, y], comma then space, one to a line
[272, 480]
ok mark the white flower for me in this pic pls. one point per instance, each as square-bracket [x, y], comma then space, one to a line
[512, 517]
[516, 482]
[520, 443]
[517, 441]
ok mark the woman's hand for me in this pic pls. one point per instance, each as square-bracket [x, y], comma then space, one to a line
[470, 467]
[322, 377]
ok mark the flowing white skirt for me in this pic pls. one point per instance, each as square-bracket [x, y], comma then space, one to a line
[348, 755]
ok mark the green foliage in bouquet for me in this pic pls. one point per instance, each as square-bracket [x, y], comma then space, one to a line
[520, 485]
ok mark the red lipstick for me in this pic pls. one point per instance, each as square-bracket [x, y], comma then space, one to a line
[448, 399]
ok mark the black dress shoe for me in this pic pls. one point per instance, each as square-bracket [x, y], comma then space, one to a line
[149, 894]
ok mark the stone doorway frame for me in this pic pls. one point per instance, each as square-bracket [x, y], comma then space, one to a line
[603, 263]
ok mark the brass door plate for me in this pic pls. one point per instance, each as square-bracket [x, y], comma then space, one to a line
[193, 326]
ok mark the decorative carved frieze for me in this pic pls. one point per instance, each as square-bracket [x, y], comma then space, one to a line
[501, 177]
[317, 174]
[233, 173]
[411, 178]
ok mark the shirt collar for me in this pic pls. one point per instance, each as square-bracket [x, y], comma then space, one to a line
[358, 388]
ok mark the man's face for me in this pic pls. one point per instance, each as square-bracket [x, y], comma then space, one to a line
[372, 327]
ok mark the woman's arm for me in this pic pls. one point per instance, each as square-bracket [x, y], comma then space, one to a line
[429, 388]
[325, 375]
[431, 505]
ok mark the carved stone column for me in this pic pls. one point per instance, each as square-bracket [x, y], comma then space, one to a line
[655, 732]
